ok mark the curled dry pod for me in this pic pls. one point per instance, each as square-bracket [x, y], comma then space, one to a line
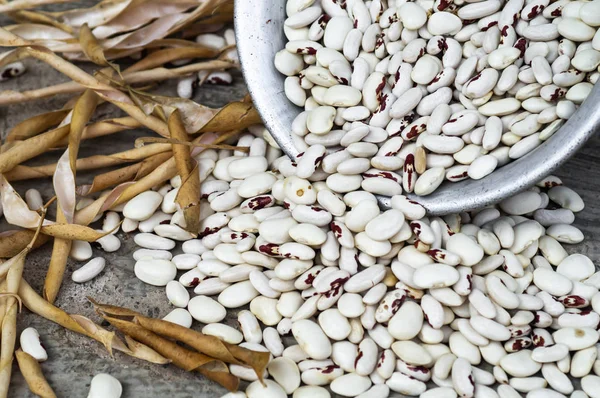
[208, 345]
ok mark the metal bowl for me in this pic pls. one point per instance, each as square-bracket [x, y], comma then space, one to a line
[259, 35]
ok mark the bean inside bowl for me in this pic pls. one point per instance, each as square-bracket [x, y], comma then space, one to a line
[259, 31]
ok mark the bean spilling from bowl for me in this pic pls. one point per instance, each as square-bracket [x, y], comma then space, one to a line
[427, 91]
[359, 302]
[363, 302]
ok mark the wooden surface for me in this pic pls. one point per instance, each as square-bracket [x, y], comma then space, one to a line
[73, 359]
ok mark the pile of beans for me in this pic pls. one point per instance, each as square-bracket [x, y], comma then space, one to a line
[426, 91]
[363, 302]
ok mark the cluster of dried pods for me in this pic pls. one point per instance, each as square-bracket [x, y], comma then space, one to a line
[135, 44]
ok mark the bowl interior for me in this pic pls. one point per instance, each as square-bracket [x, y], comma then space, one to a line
[259, 34]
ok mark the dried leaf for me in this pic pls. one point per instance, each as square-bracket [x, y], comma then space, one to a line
[193, 115]
[124, 26]
[32, 373]
[233, 116]
[12, 242]
[188, 197]
[36, 125]
[93, 49]
[123, 37]
[181, 153]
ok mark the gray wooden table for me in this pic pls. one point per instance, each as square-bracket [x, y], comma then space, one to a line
[74, 359]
